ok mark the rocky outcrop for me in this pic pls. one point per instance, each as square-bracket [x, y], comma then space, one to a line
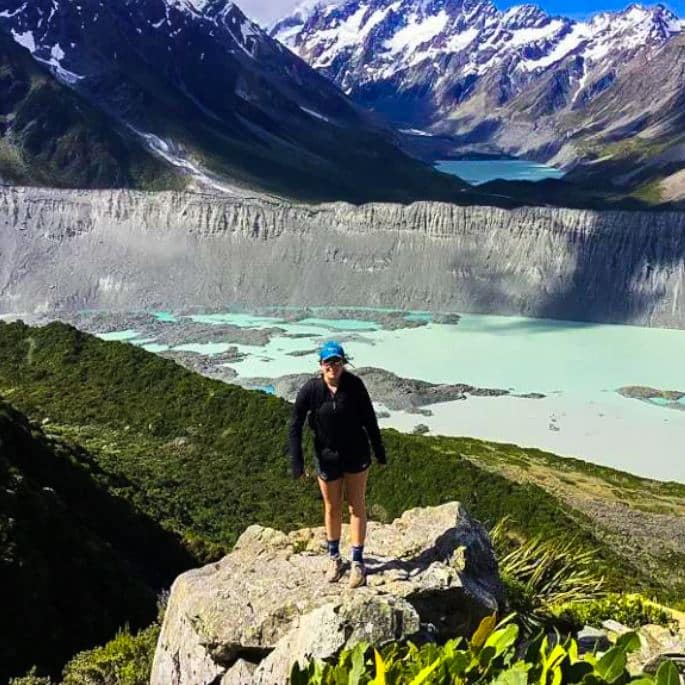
[121, 249]
[247, 618]
[388, 389]
[657, 643]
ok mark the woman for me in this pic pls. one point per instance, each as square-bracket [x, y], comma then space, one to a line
[343, 420]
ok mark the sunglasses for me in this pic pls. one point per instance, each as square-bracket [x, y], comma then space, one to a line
[333, 361]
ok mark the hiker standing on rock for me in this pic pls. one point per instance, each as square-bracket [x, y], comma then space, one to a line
[344, 421]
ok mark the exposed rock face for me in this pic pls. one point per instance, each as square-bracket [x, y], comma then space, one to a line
[124, 249]
[431, 572]
[656, 644]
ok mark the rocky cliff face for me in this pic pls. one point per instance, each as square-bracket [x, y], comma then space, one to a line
[247, 618]
[124, 249]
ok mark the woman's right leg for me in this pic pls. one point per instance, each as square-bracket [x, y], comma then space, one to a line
[332, 492]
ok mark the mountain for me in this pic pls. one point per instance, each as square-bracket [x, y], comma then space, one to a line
[50, 135]
[214, 98]
[635, 130]
[518, 82]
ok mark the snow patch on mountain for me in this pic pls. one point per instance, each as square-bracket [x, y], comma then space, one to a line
[567, 44]
[289, 28]
[57, 53]
[417, 32]
[25, 39]
[346, 33]
[199, 5]
[459, 41]
[54, 62]
[172, 153]
[316, 115]
[525, 36]
[10, 13]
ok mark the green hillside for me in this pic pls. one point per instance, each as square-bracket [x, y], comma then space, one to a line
[133, 440]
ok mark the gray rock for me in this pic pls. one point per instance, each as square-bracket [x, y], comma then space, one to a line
[240, 673]
[658, 643]
[331, 628]
[392, 391]
[432, 570]
[672, 398]
[678, 658]
[592, 639]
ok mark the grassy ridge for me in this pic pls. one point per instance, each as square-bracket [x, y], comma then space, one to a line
[146, 453]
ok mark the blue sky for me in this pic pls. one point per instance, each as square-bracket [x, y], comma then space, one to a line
[266, 11]
[583, 8]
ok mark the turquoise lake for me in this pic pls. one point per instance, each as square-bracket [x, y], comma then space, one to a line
[482, 171]
[577, 366]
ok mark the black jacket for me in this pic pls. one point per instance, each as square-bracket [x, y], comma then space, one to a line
[344, 421]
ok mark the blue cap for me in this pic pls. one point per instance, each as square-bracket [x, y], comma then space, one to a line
[331, 349]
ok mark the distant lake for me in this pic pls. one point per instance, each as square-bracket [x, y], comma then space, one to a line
[577, 366]
[482, 171]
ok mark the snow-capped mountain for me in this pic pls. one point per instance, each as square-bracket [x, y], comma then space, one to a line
[467, 69]
[215, 97]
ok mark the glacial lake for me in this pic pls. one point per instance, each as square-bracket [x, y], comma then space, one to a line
[482, 171]
[578, 367]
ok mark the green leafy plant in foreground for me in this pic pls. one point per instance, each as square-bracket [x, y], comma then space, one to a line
[490, 656]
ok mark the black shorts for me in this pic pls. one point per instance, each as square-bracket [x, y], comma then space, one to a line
[334, 470]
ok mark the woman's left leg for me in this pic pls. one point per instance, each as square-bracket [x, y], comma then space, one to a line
[355, 487]
[355, 490]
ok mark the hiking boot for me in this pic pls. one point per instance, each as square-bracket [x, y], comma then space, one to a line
[335, 569]
[357, 574]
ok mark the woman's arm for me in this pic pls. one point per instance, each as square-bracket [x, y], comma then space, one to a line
[299, 415]
[370, 423]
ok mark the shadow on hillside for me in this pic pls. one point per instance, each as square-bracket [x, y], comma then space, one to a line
[619, 274]
[79, 563]
[155, 555]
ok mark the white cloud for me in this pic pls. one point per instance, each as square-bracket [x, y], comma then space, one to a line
[265, 12]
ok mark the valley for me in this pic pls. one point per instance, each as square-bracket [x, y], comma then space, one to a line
[483, 204]
[599, 97]
[169, 449]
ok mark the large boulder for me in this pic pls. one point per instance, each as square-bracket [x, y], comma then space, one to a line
[432, 573]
